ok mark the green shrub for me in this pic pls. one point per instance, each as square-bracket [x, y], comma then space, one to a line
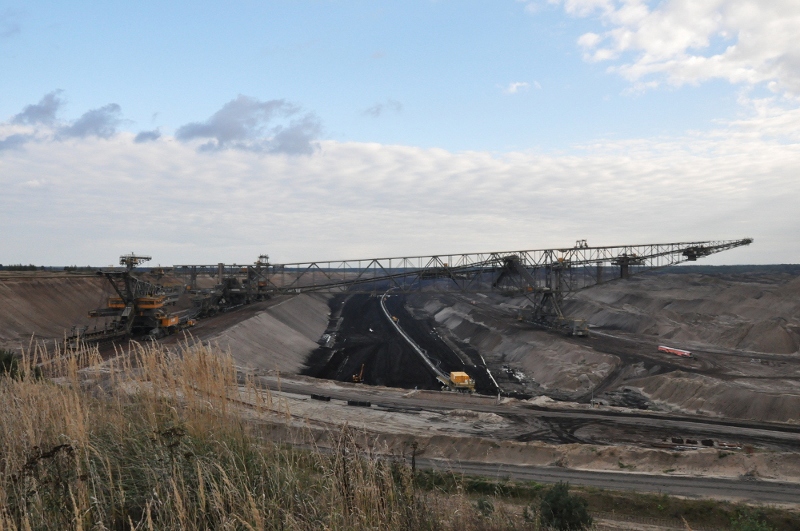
[563, 511]
[748, 520]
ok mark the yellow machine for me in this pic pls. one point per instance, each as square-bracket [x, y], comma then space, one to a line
[359, 378]
[458, 381]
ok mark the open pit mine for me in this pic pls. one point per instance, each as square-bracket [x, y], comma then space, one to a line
[601, 366]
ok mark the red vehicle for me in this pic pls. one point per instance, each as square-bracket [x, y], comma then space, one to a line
[676, 351]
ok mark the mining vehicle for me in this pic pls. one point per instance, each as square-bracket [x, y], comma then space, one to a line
[230, 293]
[359, 378]
[140, 308]
[458, 381]
[676, 351]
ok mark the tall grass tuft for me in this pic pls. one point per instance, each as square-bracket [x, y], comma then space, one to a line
[156, 439]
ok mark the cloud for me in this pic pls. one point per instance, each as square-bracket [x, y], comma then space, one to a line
[530, 7]
[100, 122]
[356, 200]
[513, 88]
[379, 108]
[43, 112]
[589, 40]
[13, 142]
[147, 136]
[248, 123]
[748, 42]
[378, 54]
[297, 138]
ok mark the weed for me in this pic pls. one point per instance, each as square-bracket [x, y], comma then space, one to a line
[484, 506]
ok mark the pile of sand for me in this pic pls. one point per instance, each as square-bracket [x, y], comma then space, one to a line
[756, 313]
[279, 338]
[47, 306]
[696, 393]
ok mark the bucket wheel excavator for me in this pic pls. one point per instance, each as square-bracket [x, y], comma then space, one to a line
[139, 307]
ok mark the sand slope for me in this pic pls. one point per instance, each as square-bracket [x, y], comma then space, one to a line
[280, 337]
[47, 306]
[757, 313]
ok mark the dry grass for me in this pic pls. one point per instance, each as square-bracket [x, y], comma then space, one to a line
[155, 439]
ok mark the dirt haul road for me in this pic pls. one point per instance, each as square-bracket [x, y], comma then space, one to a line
[698, 487]
[471, 435]
[526, 422]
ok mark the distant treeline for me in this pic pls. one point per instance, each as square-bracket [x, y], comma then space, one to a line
[20, 267]
[31, 267]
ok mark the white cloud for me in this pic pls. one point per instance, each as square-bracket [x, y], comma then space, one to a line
[747, 42]
[106, 196]
[589, 40]
[513, 88]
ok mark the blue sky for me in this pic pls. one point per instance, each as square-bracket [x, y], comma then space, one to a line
[445, 63]
[456, 124]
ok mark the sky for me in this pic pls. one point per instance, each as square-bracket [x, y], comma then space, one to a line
[205, 132]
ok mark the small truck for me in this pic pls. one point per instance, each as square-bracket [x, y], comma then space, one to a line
[458, 381]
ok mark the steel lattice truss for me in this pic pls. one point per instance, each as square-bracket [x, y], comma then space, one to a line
[536, 271]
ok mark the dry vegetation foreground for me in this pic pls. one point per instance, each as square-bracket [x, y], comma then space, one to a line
[154, 440]
[178, 439]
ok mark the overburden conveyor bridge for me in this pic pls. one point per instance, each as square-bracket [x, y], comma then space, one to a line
[544, 276]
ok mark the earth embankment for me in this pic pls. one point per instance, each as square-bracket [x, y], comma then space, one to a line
[279, 334]
[46, 306]
[759, 313]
